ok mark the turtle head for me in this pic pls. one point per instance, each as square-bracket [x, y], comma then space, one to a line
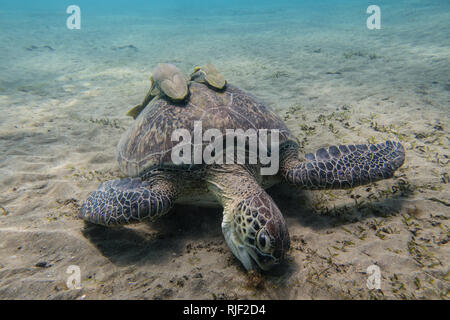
[257, 233]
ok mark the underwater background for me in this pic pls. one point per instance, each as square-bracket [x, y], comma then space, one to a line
[63, 98]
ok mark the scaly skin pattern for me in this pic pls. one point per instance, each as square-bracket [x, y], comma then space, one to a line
[129, 200]
[260, 211]
[340, 167]
[250, 213]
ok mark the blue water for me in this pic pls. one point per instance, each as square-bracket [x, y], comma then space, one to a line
[249, 41]
[270, 34]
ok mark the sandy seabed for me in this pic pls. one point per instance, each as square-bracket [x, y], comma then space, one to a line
[63, 99]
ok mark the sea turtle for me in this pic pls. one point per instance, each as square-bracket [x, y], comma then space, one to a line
[252, 224]
[166, 80]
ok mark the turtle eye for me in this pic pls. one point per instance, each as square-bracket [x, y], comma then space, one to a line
[263, 240]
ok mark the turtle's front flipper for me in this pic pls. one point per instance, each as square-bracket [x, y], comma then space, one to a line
[341, 167]
[130, 200]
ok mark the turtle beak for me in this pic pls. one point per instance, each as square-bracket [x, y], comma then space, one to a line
[264, 262]
[279, 240]
[250, 258]
[237, 247]
[246, 258]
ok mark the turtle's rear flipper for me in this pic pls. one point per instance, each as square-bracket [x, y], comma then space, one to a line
[126, 201]
[341, 167]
